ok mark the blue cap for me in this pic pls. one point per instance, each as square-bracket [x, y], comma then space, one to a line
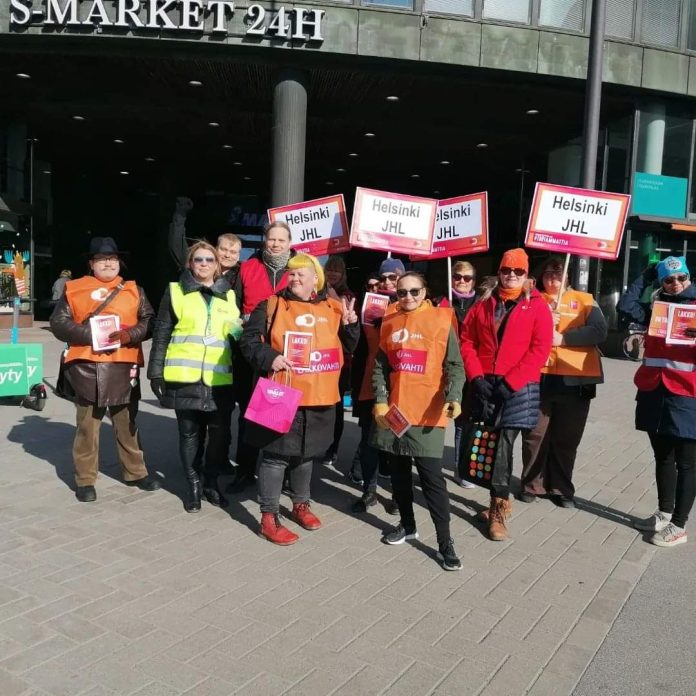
[392, 266]
[672, 265]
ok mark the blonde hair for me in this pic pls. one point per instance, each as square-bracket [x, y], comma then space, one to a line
[464, 266]
[202, 244]
[308, 261]
[229, 237]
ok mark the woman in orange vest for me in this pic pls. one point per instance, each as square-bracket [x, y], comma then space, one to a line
[302, 307]
[418, 379]
[568, 383]
[666, 399]
[104, 379]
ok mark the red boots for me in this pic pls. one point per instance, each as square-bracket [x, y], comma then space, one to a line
[305, 517]
[274, 531]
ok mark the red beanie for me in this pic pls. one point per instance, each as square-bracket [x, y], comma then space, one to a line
[515, 258]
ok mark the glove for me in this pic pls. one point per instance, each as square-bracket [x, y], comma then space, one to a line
[503, 391]
[452, 409]
[379, 411]
[483, 388]
[650, 273]
[158, 386]
[122, 336]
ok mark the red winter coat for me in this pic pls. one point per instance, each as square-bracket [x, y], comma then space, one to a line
[525, 346]
[255, 283]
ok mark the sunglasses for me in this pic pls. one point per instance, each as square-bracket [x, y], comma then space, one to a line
[389, 276]
[372, 286]
[507, 270]
[203, 259]
[670, 280]
[413, 292]
[459, 276]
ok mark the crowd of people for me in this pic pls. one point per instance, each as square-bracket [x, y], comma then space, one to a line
[516, 353]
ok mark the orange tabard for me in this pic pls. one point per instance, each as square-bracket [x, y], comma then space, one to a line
[416, 345]
[575, 361]
[84, 295]
[372, 338]
[319, 383]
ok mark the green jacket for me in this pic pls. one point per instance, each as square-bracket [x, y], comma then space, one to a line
[417, 441]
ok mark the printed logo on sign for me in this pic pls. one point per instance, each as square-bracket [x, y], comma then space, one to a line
[305, 320]
[323, 360]
[407, 360]
[402, 335]
[99, 295]
[276, 393]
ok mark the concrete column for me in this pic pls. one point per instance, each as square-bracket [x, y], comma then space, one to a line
[289, 132]
[653, 133]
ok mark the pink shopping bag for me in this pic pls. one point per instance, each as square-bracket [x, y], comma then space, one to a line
[273, 405]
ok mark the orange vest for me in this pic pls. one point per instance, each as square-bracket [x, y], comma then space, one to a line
[573, 361]
[318, 383]
[416, 345]
[372, 339]
[84, 295]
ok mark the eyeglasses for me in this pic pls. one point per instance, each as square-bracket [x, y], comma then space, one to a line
[670, 280]
[203, 259]
[388, 276]
[413, 292]
[506, 270]
[459, 276]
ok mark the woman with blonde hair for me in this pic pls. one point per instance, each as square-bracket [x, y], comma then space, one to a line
[303, 306]
[190, 369]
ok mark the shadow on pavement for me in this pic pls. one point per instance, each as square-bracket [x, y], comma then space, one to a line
[606, 513]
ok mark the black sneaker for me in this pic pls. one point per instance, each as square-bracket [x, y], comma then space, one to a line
[400, 535]
[145, 484]
[448, 557]
[368, 500]
[526, 497]
[86, 494]
[354, 479]
[391, 508]
[564, 501]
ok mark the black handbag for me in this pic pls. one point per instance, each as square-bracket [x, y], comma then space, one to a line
[478, 454]
[64, 389]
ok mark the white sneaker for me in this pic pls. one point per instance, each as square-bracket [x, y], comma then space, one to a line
[464, 483]
[654, 523]
[671, 535]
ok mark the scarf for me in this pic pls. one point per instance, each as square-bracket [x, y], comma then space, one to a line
[507, 294]
[276, 262]
[463, 295]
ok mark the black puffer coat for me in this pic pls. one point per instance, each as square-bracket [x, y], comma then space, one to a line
[180, 396]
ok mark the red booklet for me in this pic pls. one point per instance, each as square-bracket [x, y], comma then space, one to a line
[658, 319]
[682, 318]
[102, 326]
[397, 421]
[298, 348]
[374, 307]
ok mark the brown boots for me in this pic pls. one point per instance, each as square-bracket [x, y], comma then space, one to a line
[495, 516]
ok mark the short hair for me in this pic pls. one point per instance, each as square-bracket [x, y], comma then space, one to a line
[202, 244]
[229, 237]
[308, 261]
[465, 266]
[277, 223]
[413, 274]
[66, 273]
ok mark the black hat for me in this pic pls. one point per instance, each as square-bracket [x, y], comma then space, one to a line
[103, 245]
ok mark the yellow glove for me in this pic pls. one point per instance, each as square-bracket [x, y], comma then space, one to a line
[452, 409]
[379, 411]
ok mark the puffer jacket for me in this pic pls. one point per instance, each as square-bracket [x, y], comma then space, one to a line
[179, 396]
[101, 383]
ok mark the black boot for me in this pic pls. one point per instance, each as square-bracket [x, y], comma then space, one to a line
[193, 501]
[214, 496]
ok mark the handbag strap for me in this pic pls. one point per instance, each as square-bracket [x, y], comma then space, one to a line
[106, 302]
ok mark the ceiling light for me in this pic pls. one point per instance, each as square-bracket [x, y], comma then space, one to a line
[436, 193]
[224, 147]
[353, 154]
[78, 118]
[247, 178]
[340, 170]
[45, 171]
[369, 135]
[329, 183]
[415, 176]
[445, 162]
[237, 164]
[124, 173]
[532, 112]
[195, 83]
[213, 124]
[392, 98]
[118, 141]
[149, 159]
[23, 76]
[481, 146]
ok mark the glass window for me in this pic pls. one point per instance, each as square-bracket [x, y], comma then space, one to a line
[464, 8]
[620, 16]
[660, 21]
[691, 19]
[564, 14]
[510, 10]
[402, 4]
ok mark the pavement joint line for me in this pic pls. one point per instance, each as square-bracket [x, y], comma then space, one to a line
[461, 618]
[537, 622]
[491, 677]
[407, 629]
[506, 576]
[492, 628]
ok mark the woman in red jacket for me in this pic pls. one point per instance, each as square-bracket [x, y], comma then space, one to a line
[505, 341]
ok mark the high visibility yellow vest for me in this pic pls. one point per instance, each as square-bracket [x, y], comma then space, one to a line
[199, 349]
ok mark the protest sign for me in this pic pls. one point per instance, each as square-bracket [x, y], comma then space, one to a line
[658, 319]
[374, 307]
[318, 227]
[680, 321]
[298, 348]
[577, 221]
[393, 222]
[461, 226]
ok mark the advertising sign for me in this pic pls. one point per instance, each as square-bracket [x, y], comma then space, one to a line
[461, 226]
[21, 365]
[318, 227]
[393, 222]
[659, 319]
[577, 221]
[680, 323]
[658, 195]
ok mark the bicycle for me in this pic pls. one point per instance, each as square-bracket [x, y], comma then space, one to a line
[633, 344]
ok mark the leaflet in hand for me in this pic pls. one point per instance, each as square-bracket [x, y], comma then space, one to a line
[658, 319]
[103, 325]
[396, 420]
[681, 319]
[374, 307]
[298, 348]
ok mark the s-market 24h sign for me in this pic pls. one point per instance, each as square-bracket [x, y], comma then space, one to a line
[297, 23]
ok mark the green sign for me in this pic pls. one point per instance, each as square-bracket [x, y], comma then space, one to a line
[659, 196]
[21, 366]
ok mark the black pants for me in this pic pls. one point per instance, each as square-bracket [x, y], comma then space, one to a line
[372, 460]
[338, 432]
[434, 489]
[502, 471]
[675, 474]
[271, 474]
[246, 456]
[194, 426]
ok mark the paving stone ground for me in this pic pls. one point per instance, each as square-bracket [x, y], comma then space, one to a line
[132, 596]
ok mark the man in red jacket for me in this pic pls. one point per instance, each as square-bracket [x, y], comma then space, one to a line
[261, 276]
[505, 341]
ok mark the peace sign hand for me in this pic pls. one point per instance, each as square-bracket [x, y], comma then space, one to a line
[349, 314]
